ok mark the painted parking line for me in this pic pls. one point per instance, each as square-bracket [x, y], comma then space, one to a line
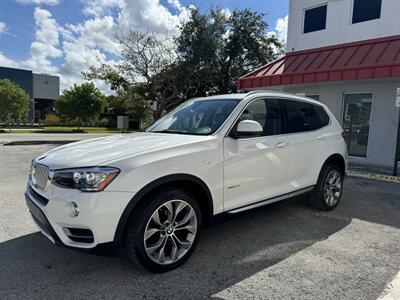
[392, 290]
[387, 178]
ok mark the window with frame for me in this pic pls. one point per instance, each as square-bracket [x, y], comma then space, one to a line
[298, 116]
[315, 19]
[318, 116]
[366, 10]
[267, 112]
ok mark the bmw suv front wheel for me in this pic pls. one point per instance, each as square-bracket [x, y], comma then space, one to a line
[164, 230]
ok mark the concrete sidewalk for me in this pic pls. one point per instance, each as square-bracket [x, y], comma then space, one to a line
[382, 175]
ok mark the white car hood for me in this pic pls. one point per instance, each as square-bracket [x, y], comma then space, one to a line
[98, 151]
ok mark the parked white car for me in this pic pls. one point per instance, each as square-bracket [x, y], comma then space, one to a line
[152, 192]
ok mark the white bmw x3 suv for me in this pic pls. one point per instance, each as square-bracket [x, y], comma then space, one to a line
[152, 192]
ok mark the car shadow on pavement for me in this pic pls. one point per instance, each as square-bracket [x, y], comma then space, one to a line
[229, 251]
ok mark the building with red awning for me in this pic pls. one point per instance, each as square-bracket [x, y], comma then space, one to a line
[345, 54]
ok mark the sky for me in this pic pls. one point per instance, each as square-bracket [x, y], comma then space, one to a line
[65, 37]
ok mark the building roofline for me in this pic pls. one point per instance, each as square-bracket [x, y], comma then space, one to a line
[26, 70]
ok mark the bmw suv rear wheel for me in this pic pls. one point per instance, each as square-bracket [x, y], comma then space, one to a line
[328, 190]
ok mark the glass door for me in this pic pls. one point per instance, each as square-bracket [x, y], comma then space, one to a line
[356, 117]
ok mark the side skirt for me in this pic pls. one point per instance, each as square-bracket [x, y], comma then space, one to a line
[272, 200]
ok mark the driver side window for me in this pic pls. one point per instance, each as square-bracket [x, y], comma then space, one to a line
[255, 111]
[267, 112]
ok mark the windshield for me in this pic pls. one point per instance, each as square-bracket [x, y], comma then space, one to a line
[200, 117]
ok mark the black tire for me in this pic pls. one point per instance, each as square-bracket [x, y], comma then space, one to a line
[134, 242]
[318, 198]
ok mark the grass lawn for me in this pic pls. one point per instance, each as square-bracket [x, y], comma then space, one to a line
[60, 129]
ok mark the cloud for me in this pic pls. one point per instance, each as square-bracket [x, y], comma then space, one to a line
[151, 15]
[38, 2]
[46, 44]
[4, 61]
[281, 28]
[98, 8]
[77, 46]
[4, 30]
[2, 27]
[98, 32]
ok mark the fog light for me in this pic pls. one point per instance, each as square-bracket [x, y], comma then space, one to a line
[75, 209]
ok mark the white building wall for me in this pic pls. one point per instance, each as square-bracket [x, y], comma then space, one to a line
[339, 28]
[384, 115]
[46, 86]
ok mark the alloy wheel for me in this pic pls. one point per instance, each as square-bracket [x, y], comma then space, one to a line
[170, 232]
[333, 188]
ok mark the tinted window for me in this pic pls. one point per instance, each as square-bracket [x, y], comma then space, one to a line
[298, 116]
[255, 111]
[267, 113]
[273, 123]
[319, 118]
[365, 10]
[315, 19]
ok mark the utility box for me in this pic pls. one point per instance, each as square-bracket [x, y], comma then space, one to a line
[123, 122]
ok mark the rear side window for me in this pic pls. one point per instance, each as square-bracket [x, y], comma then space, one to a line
[298, 116]
[319, 117]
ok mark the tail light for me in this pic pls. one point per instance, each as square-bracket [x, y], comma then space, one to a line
[343, 135]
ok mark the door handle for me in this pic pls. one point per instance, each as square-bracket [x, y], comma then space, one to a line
[321, 137]
[281, 144]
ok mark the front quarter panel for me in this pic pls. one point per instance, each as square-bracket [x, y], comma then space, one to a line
[201, 159]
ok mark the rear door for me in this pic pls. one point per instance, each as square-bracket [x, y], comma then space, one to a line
[256, 167]
[306, 143]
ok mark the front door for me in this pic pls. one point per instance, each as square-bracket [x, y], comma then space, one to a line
[356, 116]
[255, 168]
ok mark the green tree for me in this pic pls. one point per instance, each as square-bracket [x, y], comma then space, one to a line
[130, 102]
[80, 103]
[221, 48]
[14, 101]
[144, 55]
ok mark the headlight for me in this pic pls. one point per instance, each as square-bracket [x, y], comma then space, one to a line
[85, 179]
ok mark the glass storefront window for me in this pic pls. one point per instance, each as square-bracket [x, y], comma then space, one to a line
[356, 116]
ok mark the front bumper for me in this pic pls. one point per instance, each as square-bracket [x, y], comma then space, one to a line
[99, 214]
[41, 221]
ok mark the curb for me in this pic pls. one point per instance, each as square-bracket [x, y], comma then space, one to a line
[380, 177]
[2, 142]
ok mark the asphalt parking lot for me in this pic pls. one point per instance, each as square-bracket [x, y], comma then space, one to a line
[282, 251]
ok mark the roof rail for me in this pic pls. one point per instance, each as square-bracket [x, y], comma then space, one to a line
[258, 91]
[301, 95]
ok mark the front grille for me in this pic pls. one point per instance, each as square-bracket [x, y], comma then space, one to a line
[40, 176]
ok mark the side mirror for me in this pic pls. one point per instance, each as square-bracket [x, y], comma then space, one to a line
[249, 128]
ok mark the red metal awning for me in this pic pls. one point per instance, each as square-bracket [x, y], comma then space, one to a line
[377, 58]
